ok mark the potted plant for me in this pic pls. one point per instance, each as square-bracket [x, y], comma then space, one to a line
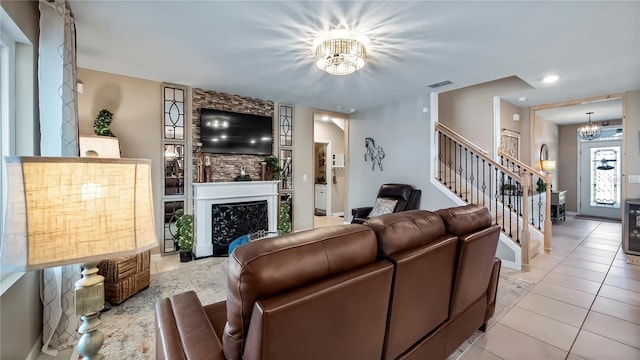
[273, 168]
[508, 189]
[102, 123]
[284, 220]
[184, 234]
[541, 186]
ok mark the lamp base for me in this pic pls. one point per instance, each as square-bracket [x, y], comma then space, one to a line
[89, 303]
[91, 340]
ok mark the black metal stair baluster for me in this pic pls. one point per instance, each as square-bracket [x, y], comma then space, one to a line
[449, 162]
[502, 176]
[466, 175]
[511, 186]
[455, 163]
[519, 206]
[484, 182]
[520, 199]
[440, 156]
[539, 210]
[478, 179]
[460, 169]
[531, 194]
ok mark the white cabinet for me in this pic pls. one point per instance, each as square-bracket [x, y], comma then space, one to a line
[321, 198]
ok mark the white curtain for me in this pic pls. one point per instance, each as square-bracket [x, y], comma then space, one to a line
[59, 137]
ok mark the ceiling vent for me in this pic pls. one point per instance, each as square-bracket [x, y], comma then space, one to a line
[439, 84]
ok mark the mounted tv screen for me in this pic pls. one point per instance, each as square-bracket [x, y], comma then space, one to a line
[223, 132]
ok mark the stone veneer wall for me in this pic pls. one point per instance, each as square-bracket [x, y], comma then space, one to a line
[226, 167]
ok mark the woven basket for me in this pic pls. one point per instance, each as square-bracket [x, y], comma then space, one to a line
[126, 276]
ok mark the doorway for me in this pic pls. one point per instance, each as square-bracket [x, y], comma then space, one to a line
[329, 171]
[600, 175]
[322, 175]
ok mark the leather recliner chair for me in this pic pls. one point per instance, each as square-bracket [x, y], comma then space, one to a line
[408, 199]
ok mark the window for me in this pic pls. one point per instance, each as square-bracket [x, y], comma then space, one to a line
[17, 101]
[7, 133]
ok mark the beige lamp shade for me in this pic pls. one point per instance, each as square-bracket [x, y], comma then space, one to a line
[548, 165]
[75, 210]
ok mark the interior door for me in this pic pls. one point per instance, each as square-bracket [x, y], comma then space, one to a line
[600, 178]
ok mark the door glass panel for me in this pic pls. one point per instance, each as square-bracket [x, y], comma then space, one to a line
[173, 169]
[605, 175]
[170, 241]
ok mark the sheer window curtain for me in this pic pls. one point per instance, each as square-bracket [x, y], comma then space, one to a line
[59, 137]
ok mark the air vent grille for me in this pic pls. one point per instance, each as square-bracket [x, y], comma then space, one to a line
[439, 84]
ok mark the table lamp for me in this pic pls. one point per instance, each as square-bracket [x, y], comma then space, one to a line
[64, 210]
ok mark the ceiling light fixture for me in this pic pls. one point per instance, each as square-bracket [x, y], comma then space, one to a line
[550, 79]
[590, 131]
[341, 55]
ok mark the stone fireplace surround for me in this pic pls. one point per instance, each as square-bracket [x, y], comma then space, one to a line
[222, 189]
[227, 166]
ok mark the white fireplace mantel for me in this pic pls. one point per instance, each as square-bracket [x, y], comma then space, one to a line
[207, 194]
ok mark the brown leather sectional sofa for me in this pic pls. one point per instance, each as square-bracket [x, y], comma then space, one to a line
[409, 285]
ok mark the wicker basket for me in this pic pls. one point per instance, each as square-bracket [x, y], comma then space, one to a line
[126, 276]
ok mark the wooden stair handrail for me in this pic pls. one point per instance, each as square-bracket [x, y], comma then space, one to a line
[470, 145]
[521, 164]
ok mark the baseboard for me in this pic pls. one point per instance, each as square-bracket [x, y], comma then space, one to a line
[571, 213]
[35, 349]
[338, 213]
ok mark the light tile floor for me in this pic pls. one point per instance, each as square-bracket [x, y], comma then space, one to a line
[585, 304]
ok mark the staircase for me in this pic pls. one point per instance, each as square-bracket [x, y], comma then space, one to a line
[516, 194]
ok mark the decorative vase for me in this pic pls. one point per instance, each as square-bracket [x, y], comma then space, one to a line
[186, 256]
[263, 171]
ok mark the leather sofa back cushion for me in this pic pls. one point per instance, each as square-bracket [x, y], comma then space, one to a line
[395, 191]
[463, 220]
[271, 266]
[476, 253]
[406, 230]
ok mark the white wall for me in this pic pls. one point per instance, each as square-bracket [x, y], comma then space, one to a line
[631, 143]
[302, 168]
[402, 129]
[137, 121]
[469, 111]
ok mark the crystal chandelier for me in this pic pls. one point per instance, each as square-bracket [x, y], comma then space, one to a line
[340, 56]
[590, 131]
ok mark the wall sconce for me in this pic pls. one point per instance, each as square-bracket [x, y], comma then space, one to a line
[546, 164]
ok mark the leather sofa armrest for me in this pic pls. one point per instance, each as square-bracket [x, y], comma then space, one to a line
[168, 345]
[183, 330]
[359, 215]
[492, 290]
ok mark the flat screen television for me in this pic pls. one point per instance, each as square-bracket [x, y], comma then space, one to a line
[223, 132]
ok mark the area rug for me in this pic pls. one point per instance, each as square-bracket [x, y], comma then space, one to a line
[129, 328]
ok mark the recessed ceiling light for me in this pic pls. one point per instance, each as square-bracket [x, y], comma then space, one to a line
[325, 118]
[550, 79]
[352, 110]
[338, 107]
[522, 98]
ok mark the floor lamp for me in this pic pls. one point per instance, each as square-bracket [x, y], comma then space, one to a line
[63, 211]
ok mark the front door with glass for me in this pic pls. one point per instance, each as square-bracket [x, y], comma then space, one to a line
[600, 185]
